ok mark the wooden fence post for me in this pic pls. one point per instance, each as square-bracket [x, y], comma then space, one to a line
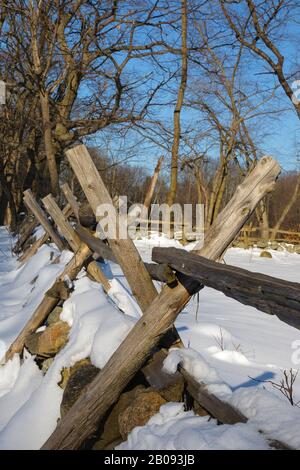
[31, 251]
[71, 199]
[81, 420]
[28, 229]
[73, 239]
[40, 215]
[124, 250]
[48, 303]
[61, 222]
[150, 191]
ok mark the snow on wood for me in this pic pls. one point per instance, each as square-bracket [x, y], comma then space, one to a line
[80, 422]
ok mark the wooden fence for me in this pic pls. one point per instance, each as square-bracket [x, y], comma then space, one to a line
[183, 275]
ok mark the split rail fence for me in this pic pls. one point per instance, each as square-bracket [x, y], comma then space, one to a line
[182, 273]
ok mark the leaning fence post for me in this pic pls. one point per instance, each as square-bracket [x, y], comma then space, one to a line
[40, 215]
[82, 419]
[124, 250]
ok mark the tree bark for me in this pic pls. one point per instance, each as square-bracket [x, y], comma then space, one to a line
[287, 208]
[50, 154]
[178, 107]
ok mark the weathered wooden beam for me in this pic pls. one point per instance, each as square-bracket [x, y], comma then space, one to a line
[49, 302]
[219, 409]
[150, 191]
[266, 293]
[28, 229]
[124, 249]
[61, 222]
[40, 215]
[96, 245]
[81, 420]
[161, 273]
[73, 239]
[31, 251]
[71, 199]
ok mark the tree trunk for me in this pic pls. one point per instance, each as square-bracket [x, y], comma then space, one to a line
[287, 208]
[178, 107]
[150, 191]
[44, 99]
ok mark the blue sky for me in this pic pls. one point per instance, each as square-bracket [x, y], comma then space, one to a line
[281, 134]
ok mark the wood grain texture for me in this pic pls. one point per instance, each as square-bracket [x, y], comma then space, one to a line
[161, 273]
[71, 199]
[124, 249]
[67, 211]
[40, 215]
[61, 222]
[82, 419]
[266, 293]
[73, 239]
[26, 232]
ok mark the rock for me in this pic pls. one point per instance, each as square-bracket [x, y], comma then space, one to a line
[274, 245]
[262, 244]
[173, 391]
[48, 342]
[265, 254]
[79, 378]
[111, 436]
[289, 248]
[146, 404]
[54, 316]
[31, 342]
[297, 249]
[68, 371]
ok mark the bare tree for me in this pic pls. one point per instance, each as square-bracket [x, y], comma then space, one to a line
[179, 104]
[255, 30]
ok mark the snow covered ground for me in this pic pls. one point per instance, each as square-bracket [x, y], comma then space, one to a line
[227, 345]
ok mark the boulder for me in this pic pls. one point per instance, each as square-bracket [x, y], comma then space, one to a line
[82, 374]
[174, 390]
[297, 249]
[145, 405]
[262, 244]
[110, 435]
[265, 254]
[48, 342]
[54, 316]
[68, 371]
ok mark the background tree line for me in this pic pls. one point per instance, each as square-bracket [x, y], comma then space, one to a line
[201, 82]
